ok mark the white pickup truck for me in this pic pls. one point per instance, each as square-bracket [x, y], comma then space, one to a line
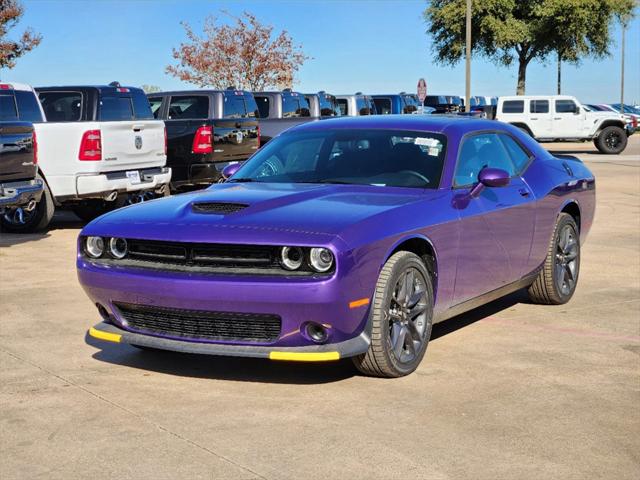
[98, 148]
[562, 117]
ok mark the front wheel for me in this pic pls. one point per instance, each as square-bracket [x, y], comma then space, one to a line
[558, 278]
[611, 140]
[21, 220]
[401, 318]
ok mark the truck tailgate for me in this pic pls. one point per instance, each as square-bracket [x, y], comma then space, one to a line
[234, 138]
[132, 144]
[16, 151]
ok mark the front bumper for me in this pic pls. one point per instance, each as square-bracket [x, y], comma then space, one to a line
[14, 194]
[313, 353]
[339, 303]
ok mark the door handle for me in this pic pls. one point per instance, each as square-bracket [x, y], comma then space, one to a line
[523, 192]
[536, 118]
[557, 118]
[138, 128]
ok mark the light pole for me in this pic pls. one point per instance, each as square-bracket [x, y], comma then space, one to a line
[467, 93]
[624, 27]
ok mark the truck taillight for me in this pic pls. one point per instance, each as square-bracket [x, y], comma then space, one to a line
[258, 136]
[91, 146]
[5, 86]
[203, 140]
[34, 143]
[634, 122]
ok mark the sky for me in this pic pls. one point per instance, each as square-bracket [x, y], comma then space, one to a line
[373, 46]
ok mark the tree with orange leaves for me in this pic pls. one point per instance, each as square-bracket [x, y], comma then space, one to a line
[244, 55]
[10, 50]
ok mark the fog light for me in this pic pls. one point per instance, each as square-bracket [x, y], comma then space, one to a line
[94, 246]
[321, 259]
[316, 332]
[118, 247]
[291, 257]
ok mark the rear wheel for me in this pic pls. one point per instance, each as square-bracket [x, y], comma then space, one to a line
[558, 278]
[611, 140]
[401, 318]
[20, 220]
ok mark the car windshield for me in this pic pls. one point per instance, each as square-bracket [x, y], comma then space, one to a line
[391, 158]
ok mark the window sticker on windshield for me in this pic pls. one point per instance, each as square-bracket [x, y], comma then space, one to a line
[434, 151]
[427, 141]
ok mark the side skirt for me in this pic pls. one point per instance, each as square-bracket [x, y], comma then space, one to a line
[486, 298]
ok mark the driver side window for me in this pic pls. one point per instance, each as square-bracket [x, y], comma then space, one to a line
[478, 152]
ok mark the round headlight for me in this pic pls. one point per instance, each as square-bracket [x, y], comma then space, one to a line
[291, 257]
[118, 247]
[321, 259]
[94, 246]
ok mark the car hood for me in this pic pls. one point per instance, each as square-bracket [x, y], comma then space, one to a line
[267, 213]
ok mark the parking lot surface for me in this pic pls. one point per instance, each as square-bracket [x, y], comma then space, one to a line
[508, 391]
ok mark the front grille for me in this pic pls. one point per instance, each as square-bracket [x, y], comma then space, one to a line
[217, 207]
[201, 325]
[207, 255]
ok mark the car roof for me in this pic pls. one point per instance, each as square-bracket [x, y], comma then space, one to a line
[430, 123]
[197, 91]
[18, 86]
[84, 87]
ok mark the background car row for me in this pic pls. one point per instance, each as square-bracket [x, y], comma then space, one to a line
[98, 148]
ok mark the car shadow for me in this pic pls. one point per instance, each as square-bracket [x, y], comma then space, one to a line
[267, 371]
[62, 220]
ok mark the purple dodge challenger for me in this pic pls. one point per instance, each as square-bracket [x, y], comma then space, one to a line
[343, 238]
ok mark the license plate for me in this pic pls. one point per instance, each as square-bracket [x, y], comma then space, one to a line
[134, 176]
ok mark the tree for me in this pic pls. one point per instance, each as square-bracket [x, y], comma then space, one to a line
[244, 55]
[506, 31]
[11, 50]
[150, 88]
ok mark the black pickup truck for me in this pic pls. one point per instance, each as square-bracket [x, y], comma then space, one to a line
[20, 185]
[206, 130]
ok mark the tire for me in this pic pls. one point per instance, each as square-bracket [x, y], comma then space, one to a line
[389, 319]
[92, 208]
[611, 140]
[557, 281]
[17, 220]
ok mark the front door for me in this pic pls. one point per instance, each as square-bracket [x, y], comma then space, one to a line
[497, 225]
[568, 119]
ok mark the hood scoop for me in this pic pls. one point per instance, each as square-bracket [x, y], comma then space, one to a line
[217, 208]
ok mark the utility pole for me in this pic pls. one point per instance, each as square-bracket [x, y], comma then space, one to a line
[624, 27]
[559, 73]
[467, 94]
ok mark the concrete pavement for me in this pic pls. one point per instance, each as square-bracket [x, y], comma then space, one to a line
[507, 391]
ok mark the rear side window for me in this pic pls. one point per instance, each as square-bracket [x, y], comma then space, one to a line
[364, 106]
[434, 100]
[562, 106]
[294, 105]
[518, 155]
[513, 106]
[328, 106]
[342, 105]
[155, 103]
[28, 106]
[113, 109]
[411, 104]
[61, 106]
[478, 152]
[8, 109]
[141, 108]
[263, 106]
[539, 106]
[189, 107]
[383, 105]
[234, 106]
[252, 107]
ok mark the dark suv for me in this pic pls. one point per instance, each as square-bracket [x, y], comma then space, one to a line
[206, 130]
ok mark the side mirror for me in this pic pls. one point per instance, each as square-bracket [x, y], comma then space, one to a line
[231, 169]
[490, 177]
